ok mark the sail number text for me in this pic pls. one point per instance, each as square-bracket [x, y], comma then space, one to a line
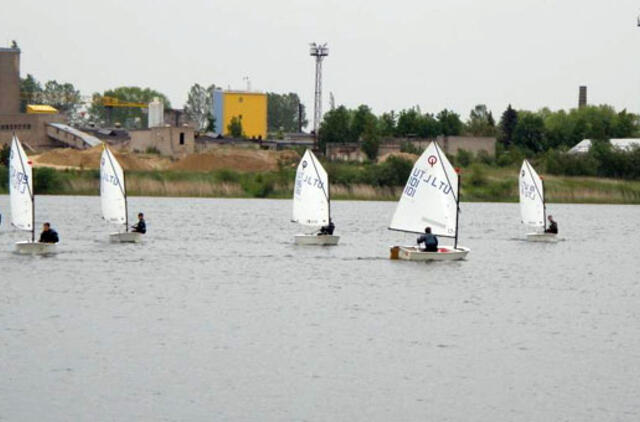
[418, 177]
[19, 180]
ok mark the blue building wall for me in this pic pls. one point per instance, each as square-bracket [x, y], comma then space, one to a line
[218, 110]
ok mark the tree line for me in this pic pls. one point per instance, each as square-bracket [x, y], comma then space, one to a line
[532, 131]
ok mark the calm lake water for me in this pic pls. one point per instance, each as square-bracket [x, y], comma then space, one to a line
[218, 316]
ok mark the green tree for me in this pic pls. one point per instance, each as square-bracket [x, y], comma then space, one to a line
[450, 123]
[529, 132]
[507, 126]
[284, 112]
[199, 106]
[387, 124]
[335, 127]
[428, 126]
[363, 120]
[30, 92]
[235, 127]
[129, 117]
[62, 96]
[408, 122]
[481, 121]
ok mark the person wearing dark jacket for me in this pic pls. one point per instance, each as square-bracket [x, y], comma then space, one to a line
[430, 241]
[140, 226]
[48, 235]
[553, 226]
[328, 229]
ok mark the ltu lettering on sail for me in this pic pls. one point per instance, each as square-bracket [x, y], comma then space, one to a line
[111, 178]
[441, 185]
[313, 181]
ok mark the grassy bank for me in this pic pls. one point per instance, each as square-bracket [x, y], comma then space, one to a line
[349, 181]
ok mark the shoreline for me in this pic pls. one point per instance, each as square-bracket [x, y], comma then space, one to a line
[498, 185]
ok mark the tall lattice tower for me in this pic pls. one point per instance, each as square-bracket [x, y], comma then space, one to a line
[319, 51]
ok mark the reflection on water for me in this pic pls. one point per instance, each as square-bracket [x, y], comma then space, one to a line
[218, 316]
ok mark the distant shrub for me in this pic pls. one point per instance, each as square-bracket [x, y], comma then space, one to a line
[463, 158]
[228, 176]
[152, 150]
[259, 186]
[46, 180]
[483, 157]
[5, 152]
[4, 178]
[478, 176]
[409, 148]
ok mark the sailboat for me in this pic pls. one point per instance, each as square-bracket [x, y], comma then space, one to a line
[533, 209]
[312, 201]
[431, 198]
[113, 196]
[23, 201]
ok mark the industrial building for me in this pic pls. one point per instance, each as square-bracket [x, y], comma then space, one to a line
[30, 127]
[249, 107]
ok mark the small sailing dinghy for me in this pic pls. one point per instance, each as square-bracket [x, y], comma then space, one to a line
[533, 209]
[430, 198]
[113, 196]
[23, 201]
[312, 201]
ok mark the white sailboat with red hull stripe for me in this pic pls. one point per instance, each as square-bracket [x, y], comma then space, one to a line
[430, 198]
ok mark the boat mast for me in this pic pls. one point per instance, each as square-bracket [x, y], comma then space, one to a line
[544, 206]
[126, 208]
[455, 242]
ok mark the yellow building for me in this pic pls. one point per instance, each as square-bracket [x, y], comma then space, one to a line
[250, 108]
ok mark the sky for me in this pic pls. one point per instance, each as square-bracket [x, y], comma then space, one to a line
[390, 54]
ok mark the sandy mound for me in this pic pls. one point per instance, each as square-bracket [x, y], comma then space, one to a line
[90, 159]
[238, 159]
[407, 156]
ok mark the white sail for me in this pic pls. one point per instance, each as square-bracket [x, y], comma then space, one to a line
[531, 196]
[430, 196]
[20, 187]
[112, 190]
[311, 192]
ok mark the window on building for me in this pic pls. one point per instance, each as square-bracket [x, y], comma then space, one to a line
[181, 138]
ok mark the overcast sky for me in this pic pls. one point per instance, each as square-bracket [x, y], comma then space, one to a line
[390, 54]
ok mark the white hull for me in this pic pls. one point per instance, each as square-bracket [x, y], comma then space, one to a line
[35, 248]
[542, 237]
[314, 239]
[446, 253]
[125, 237]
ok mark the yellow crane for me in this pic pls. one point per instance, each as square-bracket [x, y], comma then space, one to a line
[110, 102]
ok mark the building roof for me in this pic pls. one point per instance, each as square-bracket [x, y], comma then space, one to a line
[624, 144]
[40, 109]
[92, 141]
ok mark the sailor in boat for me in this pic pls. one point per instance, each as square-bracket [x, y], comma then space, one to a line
[48, 235]
[430, 241]
[327, 230]
[140, 226]
[553, 226]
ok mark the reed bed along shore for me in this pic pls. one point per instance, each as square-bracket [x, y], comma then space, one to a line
[488, 185]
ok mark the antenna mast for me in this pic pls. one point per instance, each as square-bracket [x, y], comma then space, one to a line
[319, 51]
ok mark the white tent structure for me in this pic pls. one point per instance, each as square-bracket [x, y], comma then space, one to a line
[624, 144]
